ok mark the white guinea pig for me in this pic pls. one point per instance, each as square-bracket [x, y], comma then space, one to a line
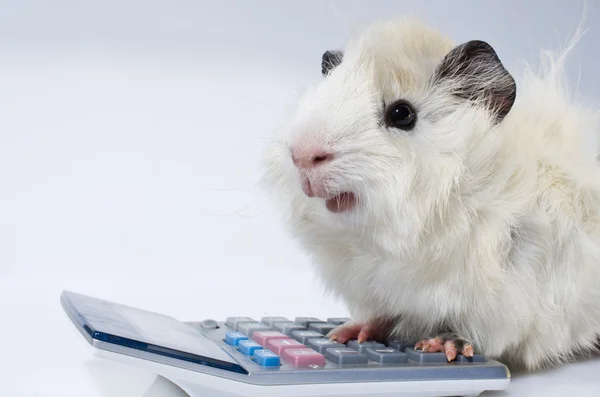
[443, 204]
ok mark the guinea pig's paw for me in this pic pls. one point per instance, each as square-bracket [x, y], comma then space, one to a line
[375, 329]
[347, 331]
[450, 344]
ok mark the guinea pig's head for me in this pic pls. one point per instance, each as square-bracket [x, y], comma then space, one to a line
[401, 117]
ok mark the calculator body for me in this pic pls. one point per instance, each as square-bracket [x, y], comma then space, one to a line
[273, 356]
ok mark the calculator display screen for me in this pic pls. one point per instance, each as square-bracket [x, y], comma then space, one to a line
[143, 330]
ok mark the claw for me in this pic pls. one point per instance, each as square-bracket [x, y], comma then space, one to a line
[450, 347]
[362, 336]
[467, 350]
[450, 350]
[345, 332]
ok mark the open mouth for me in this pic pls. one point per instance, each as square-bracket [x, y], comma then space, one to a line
[342, 202]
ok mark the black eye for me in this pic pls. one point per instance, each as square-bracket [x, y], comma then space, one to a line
[401, 115]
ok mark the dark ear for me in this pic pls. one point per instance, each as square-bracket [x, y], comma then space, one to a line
[473, 71]
[330, 60]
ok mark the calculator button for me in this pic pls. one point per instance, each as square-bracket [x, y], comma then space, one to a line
[323, 328]
[233, 322]
[277, 346]
[266, 358]
[270, 321]
[322, 344]
[400, 345]
[209, 324]
[386, 355]
[288, 327]
[425, 357]
[249, 328]
[362, 347]
[304, 336]
[248, 347]
[306, 321]
[263, 337]
[233, 338]
[346, 356]
[303, 357]
[338, 320]
[477, 358]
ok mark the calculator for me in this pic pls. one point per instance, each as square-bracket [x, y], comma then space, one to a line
[272, 356]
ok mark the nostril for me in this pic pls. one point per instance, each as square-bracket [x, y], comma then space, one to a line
[321, 158]
[306, 158]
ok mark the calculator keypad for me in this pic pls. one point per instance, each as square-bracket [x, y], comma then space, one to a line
[233, 322]
[270, 321]
[400, 345]
[338, 320]
[266, 358]
[304, 336]
[362, 347]
[263, 337]
[386, 355]
[275, 341]
[306, 321]
[279, 345]
[248, 347]
[233, 338]
[303, 357]
[346, 356]
[249, 328]
[322, 344]
[425, 357]
[288, 327]
[323, 328]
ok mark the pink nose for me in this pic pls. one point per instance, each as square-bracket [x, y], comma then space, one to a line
[310, 158]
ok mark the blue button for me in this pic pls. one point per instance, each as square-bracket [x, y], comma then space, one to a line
[266, 358]
[248, 347]
[233, 338]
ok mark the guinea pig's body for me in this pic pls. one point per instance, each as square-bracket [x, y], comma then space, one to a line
[436, 198]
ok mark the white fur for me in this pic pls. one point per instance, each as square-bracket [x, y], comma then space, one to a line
[490, 229]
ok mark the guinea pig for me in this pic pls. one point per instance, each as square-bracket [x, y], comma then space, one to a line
[441, 203]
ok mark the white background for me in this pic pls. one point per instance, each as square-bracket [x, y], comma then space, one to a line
[130, 139]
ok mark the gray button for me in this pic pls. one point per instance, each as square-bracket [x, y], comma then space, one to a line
[345, 356]
[338, 320]
[233, 322]
[288, 327]
[477, 358]
[425, 357]
[208, 323]
[400, 345]
[249, 328]
[306, 321]
[270, 321]
[322, 344]
[362, 347]
[304, 336]
[323, 328]
[386, 355]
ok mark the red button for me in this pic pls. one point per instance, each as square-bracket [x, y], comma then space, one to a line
[262, 337]
[303, 357]
[277, 346]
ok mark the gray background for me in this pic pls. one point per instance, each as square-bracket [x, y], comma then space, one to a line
[130, 130]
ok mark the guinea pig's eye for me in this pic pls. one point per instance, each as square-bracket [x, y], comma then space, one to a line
[400, 115]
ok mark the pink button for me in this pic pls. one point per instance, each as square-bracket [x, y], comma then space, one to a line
[262, 337]
[303, 357]
[277, 346]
